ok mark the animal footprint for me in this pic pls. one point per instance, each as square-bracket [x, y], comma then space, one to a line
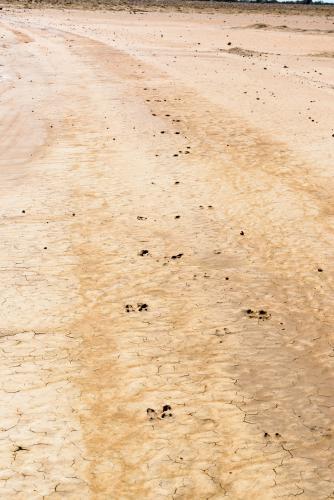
[140, 307]
[144, 252]
[177, 256]
[261, 314]
[153, 415]
[166, 411]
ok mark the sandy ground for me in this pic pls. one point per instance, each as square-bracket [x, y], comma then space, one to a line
[166, 255]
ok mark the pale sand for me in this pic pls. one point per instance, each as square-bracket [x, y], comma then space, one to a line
[84, 99]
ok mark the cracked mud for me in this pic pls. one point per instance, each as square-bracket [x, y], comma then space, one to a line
[166, 317]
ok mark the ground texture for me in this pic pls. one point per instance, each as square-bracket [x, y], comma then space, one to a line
[166, 265]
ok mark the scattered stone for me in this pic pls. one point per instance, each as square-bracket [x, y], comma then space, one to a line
[143, 252]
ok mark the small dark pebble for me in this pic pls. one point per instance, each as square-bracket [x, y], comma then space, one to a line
[242, 233]
[320, 270]
[166, 408]
[143, 252]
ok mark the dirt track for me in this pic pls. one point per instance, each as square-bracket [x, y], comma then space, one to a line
[207, 140]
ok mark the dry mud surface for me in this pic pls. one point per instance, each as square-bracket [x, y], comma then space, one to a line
[166, 255]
